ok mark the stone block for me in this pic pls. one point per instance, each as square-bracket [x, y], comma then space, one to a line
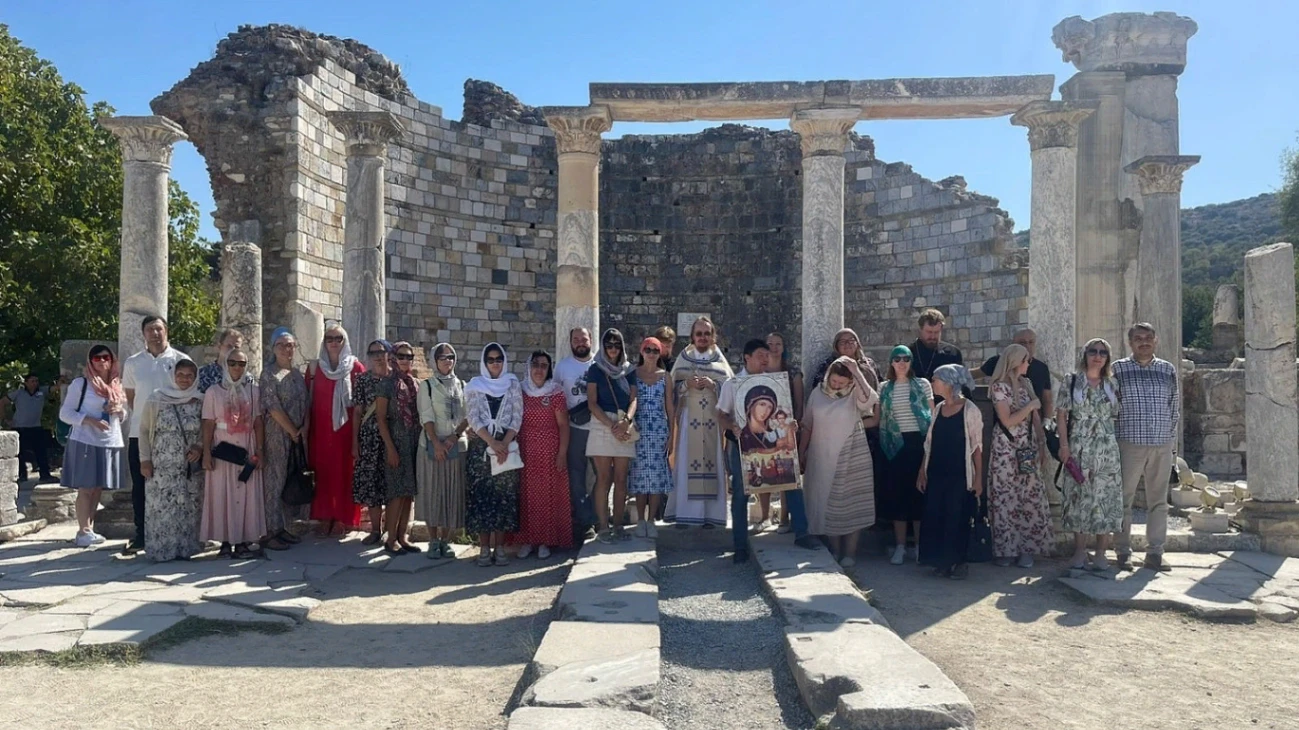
[554, 718]
[52, 503]
[1177, 590]
[8, 470]
[608, 593]
[1222, 464]
[626, 682]
[819, 597]
[865, 676]
[21, 529]
[223, 612]
[567, 642]
[8, 444]
[1209, 522]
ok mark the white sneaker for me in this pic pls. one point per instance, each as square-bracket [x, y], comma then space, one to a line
[651, 530]
[783, 529]
[899, 555]
[543, 552]
[84, 539]
[524, 551]
[97, 539]
[641, 529]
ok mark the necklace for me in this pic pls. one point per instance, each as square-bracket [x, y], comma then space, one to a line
[926, 367]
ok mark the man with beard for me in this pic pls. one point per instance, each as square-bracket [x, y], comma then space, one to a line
[929, 352]
[571, 375]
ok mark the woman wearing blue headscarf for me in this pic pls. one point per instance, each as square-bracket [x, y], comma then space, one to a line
[952, 474]
[284, 400]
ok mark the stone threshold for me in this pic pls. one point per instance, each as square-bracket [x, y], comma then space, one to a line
[851, 669]
[598, 664]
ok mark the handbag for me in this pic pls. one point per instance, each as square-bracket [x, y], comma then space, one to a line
[979, 548]
[64, 430]
[300, 481]
[1025, 457]
[580, 414]
[238, 455]
[512, 461]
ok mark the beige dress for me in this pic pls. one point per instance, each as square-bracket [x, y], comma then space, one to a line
[839, 483]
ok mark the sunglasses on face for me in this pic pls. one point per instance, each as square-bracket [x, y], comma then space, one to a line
[404, 357]
[651, 351]
[1094, 352]
[902, 358]
[613, 345]
[446, 358]
[376, 353]
[102, 358]
[333, 339]
[237, 363]
[495, 360]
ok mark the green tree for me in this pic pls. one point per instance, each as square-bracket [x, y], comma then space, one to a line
[60, 223]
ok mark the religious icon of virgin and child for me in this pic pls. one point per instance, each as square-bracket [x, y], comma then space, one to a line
[768, 433]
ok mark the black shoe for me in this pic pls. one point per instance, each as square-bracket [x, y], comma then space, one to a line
[807, 542]
[1156, 563]
[1123, 561]
[410, 549]
[741, 556]
[133, 547]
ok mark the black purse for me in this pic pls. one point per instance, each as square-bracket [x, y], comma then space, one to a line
[580, 414]
[238, 455]
[979, 548]
[300, 480]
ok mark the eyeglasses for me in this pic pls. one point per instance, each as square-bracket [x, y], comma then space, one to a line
[102, 358]
[613, 345]
[902, 358]
[651, 351]
[495, 360]
[237, 363]
[377, 353]
[333, 339]
[405, 357]
[446, 358]
[1093, 352]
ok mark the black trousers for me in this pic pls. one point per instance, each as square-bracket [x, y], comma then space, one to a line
[137, 488]
[33, 446]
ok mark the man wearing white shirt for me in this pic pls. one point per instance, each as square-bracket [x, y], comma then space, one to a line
[571, 375]
[143, 373]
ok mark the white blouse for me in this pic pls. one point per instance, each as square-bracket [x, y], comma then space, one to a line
[92, 405]
[508, 418]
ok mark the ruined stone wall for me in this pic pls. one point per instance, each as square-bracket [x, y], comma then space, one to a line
[1213, 419]
[707, 222]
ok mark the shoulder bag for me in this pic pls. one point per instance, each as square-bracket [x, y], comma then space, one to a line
[63, 430]
[1025, 456]
[979, 548]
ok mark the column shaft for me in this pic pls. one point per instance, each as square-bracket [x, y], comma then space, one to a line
[1052, 273]
[241, 288]
[1271, 423]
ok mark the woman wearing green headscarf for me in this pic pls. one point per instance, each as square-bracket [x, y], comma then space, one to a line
[906, 408]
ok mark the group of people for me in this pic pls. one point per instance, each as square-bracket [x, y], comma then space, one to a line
[506, 459]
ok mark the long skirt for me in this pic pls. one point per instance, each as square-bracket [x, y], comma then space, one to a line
[441, 498]
[491, 502]
[899, 500]
[851, 503]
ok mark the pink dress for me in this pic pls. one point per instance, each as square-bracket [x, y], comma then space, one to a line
[545, 516]
[233, 511]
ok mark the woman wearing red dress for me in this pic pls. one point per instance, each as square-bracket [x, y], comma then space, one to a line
[545, 516]
[330, 381]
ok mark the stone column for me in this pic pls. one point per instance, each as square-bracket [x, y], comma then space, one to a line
[824, 135]
[146, 163]
[1052, 301]
[1271, 422]
[577, 273]
[1226, 318]
[241, 288]
[364, 302]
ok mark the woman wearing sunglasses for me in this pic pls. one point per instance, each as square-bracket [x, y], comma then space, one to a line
[1087, 405]
[330, 380]
[397, 414]
[610, 444]
[93, 405]
[440, 470]
[495, 400]
[234, 510]
[369, 483]
[651, 472]
[906, 407]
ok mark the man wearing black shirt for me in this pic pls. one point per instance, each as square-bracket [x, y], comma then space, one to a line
[929, 352]
[1038, 372]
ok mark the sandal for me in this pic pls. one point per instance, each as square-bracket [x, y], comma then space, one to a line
[408, 548]
[372, 538]
[484, 558]
[226, 551]
[289, 537]
[388, 548]
[244, 553]
[444, 548]
[275, 543]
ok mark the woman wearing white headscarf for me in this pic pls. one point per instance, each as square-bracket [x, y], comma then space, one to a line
[440, 468]
[234, 511]
[329, 381]
[171, 426]
[284, 398]
[495, 401]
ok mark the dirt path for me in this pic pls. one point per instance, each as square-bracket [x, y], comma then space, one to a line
[442, 649]
[1031, 655]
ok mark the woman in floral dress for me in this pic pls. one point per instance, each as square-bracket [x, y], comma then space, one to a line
[369, 485]
[495, 401]
[284, 397]
[397, 413]
[1021, 515]
[1087, 405]
[171, 427]
[545, 514]
[651, 475]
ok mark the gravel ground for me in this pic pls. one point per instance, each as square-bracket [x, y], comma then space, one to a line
[722, 645]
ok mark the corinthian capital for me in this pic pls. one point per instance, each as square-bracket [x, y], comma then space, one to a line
[578, 128]
[1052, 123]
[145, 139]
[367, 132]
[824, 131]
[1135, 43]
[1161, 173]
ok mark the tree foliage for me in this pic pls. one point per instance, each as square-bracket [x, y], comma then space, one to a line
[60, 223]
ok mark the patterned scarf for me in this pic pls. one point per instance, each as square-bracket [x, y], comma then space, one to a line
[699, 417]
[405, 388]
[450, 389]
[890, 430]
[237, 411]
[109, 389]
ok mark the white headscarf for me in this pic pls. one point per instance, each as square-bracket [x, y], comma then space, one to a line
[171, 394]
[550, 387]
[346, 361]
[485, 383]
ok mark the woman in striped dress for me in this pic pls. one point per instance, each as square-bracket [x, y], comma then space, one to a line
[839, 481]
[440, 468]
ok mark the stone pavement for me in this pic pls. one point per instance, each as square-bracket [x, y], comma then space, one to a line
[55, 596]
[1240, 585]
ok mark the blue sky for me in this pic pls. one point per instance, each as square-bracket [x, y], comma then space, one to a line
[1239, 104]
